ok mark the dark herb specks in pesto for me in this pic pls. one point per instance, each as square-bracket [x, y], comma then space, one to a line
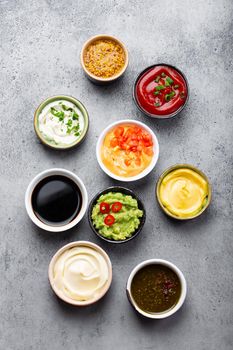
[156, 288]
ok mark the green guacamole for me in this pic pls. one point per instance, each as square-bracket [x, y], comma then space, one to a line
[127, 219]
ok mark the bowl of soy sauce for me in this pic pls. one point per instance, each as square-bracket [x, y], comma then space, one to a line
[56, 200]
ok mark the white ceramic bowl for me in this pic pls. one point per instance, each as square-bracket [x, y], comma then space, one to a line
[143, 173]
[36, 180]
[80, 244]
[178, 273]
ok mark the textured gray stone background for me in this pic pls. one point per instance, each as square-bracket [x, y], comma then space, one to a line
[40, 46]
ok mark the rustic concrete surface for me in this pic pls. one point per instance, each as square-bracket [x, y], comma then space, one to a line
[40, 46]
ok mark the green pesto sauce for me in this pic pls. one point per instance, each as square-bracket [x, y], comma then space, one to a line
[155, 288]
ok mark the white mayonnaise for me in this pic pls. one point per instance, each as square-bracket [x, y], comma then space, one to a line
[80, 273]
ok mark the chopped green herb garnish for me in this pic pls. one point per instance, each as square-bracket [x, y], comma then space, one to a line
[169, 81]
[160, 87]
[163, 75]
[76, 127]
[156, 92]
[69, 123]
[56, 113]
[157, 104]
[75, 116]
[168, 97]
[66, 108]
[157, 79]
[182, 94]
[77, 134]
[176, 86]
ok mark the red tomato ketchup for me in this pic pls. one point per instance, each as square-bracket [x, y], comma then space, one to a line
[161, 90]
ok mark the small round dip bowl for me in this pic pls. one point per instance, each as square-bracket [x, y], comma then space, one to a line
[40, 177]
[75, 271]
[164, 115]
[98, 79]
[196, 170]
[81, 111]
[125, 191]
[170, 311]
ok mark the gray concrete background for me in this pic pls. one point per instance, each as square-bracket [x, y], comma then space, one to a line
[40, 46]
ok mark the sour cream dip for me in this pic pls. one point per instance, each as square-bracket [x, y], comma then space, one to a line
[61, 122]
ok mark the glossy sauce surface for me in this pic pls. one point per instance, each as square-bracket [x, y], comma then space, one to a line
[156, 95]
[56, 200]
[156, 288]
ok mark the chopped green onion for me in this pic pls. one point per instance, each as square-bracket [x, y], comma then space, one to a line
[157, 104]
[163, 75]
[169, 81]
[76, 127]
[160, 87]
[53, 111]
[75, 116]
[157, 79]
[176, 86]
[69, 123]
[168, 97]
[77, 134]
[56, 113]
[156, 92]
[66, 108]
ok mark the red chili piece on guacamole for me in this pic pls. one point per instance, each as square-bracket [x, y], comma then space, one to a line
[161, 90]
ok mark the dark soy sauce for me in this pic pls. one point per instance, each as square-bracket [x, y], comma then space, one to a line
[56, 200]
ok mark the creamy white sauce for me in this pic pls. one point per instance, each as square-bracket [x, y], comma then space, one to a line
[80, 273]
[55, 130]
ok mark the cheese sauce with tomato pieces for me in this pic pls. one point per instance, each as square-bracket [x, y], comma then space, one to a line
[161, 90]
[127, 150]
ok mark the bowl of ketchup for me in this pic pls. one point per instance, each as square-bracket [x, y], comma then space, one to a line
[161, 91]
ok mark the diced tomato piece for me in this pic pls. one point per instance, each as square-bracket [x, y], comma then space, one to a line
[127, 134]
[133, 143]
[123, 145]
[134, 149]
[139, 148]
[149, 151]
[127, 161]
[140, 137]
[146, 136]
[134, 136]
[137, 130]
[119, 131]
[114, 142]
[148, 143]
[138, 161]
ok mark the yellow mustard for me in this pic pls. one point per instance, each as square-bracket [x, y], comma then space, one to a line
[183, 192]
